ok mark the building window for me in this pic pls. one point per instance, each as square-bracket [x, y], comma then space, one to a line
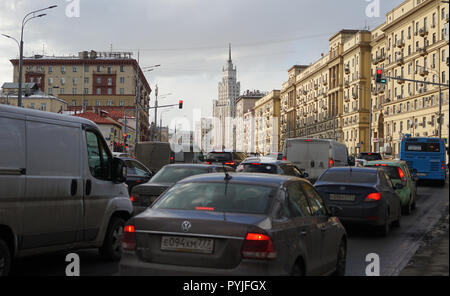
[99, 68]
[74, 91]
[99, 91]
[85, 103]
[44, 106]
[109, 69]
[109, 91]
[63, 80]
[74, 103]
[75, 69]
[121, 103]
[61, 91]
[122, 79]
[50, 69]
[98, 103]
[31, 79]
[86, 91]
[443, 77]
[109, 103]
[122, 68]
[122, 91]
[63, 69]
[86, 79]
[86, 68]
[50, 90]
[50, 80]
[99, 80]
[109, 81]
[75, 81]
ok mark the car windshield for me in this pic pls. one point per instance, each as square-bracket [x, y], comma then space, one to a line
[369, 156]
[174, 174]
[218, 197]
[219, 156]
[391, 171]
[260, 168]
[348, 176]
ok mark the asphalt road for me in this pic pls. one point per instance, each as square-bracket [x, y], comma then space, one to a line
[394, 251]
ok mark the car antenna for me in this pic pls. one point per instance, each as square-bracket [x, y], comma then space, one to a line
[227, 176]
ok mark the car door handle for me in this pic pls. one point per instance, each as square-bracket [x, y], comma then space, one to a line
[88, 187]
[73, 187]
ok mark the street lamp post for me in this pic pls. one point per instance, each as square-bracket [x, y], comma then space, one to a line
[25, 20]
[160, 122]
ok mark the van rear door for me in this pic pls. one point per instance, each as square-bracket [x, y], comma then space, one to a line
[311, 155]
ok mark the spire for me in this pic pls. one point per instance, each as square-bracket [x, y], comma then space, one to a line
[229, 52]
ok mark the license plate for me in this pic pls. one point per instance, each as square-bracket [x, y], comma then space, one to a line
[342, 197]
[187, 244]
[421, 174]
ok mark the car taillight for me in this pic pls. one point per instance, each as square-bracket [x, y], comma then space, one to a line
[258, 246]
[134, 197]
[229, 163]
[330, 163]
[208, 162]
[443, 166]
[284, 158]
[129, 238]
[373, 196]
[402, 176]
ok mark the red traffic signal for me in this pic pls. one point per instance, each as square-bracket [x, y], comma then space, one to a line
[180, 104]
[379, 76]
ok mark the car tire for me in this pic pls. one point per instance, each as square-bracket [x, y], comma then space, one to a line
[5, 258]
[407, 210]
[111, 249]
[298, 269]
[341, 261]
[385, 228]
[397, 223]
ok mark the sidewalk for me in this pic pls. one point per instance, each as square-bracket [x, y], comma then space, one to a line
[432, 258]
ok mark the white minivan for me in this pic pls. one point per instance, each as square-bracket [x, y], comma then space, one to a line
[315, 156]
[60, 187]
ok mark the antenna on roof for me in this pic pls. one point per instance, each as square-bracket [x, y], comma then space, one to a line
[227, 176]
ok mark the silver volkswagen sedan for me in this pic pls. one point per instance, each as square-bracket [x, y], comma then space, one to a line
[236, 224]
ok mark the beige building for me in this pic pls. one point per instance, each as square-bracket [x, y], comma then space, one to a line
[330, 98]
[412, 44]
[267, 122]
[91, 79]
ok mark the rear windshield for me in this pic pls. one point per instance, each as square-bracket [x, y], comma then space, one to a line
[340, 176]
[423, 147]
[260, 168]
[369, 156]
[391, 171]
[218, 197]
[175, 174]
[219, 156]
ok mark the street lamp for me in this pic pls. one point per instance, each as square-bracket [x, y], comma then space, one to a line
[25, 20]
[160, 121]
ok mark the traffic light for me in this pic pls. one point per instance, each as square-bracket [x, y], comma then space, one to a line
[379, 78]
[125, 136]
[180, 104]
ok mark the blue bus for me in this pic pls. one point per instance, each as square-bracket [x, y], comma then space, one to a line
[426, 157]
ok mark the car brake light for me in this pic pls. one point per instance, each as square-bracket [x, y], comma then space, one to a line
[373, 196]
[330, 163]
[255, 163]
[284, 158]
[402, 176]
[442, 166]
[308, 140]
[204, 209]
[230, 163]
[129, 238]
[208, 162]
[132, 198]
[258, 246]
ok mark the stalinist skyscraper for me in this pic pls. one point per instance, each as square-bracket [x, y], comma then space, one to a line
[225, 106]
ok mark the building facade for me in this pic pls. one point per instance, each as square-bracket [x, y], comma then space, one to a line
[412, 43]
[92, 79]
[267, 123]
[224, 108]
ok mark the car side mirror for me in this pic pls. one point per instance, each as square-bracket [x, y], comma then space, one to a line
[398, 186]
[119, 170]
[335, 210]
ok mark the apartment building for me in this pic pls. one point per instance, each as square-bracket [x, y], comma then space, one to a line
[267, 122]
[412, 43]
[330, 97]
[92, 79]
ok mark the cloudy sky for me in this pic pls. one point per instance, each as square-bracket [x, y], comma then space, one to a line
[189, 38]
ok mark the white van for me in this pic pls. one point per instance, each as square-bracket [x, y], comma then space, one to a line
[60, 187]
[315, 155]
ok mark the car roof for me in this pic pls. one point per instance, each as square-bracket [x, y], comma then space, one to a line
[355, 169]
[395, 162]
[266, 179]
[193, 165]
[265, 160]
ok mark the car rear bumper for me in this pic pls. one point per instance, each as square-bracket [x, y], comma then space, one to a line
[367, 213]
[131, 265]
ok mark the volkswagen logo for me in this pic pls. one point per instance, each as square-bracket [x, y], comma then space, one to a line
[185, 226]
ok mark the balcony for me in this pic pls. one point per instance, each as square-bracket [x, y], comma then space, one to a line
[423, 72]
[400, 60]
[423, 32]
[354, 95]
[422, 51]
[400, 43]
[400, 81]
[347, 70]
[346, 99]
[347, 84]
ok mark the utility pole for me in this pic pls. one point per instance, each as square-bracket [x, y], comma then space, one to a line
[155, 134]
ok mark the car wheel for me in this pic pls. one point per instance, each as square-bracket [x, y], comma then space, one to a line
[5, 258]
[408, 208]
[396, 223]
[385, 228]
[112, 249]
[341, 260]
[298, 269]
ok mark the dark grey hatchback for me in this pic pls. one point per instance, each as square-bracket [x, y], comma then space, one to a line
[235, 224]
[363, 195]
